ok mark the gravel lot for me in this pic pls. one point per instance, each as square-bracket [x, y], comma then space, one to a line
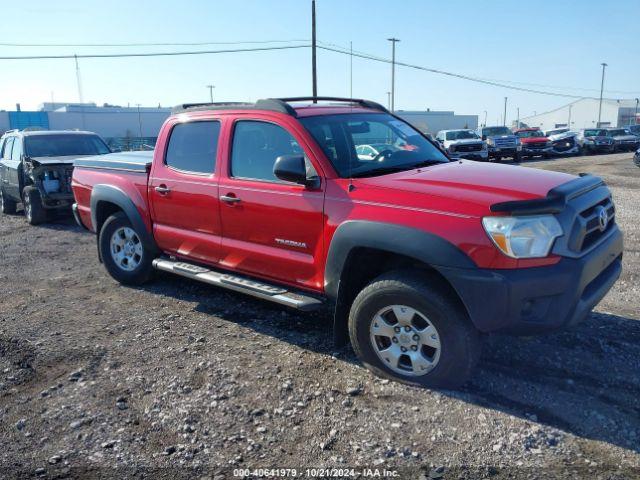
[180, 380]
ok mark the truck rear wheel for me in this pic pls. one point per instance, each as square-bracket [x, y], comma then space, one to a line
[403, 328]
[33, 209]
[7, 205]
[122, 251]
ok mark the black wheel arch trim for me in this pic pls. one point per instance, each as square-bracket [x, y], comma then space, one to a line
[111, 194]
[426, 247]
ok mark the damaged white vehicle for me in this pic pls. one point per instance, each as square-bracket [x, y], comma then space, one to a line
[36, 167]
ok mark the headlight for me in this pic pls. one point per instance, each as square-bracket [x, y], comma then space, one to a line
[484, 146]
[490, 141]
[452, 148]
[518, 142]
[523, 237]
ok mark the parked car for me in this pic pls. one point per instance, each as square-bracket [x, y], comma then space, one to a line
[624, 140]
[272, 200]
[595, 140]
[555, 131]
[36, 166]
[463, 144]
[534, 143]
[634, 129]
[564, 143]
[501, 143]
[636, 157]
[374, 151]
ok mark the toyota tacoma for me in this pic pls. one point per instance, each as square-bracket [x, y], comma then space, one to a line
[415, 255]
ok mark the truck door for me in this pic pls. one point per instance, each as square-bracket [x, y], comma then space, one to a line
[183, 190]
[271, 228]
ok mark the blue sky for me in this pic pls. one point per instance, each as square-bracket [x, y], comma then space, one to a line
[545, 42]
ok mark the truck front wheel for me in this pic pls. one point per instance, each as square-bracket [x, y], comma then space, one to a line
[122, 251]
[403, 328]
[32, 203]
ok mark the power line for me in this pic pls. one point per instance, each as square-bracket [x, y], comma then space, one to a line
[151, 44]
[458, 75]
[153, 54]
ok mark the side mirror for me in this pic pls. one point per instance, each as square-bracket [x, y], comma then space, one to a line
[291, 168]
[484, 137]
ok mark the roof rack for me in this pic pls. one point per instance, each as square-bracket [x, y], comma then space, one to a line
[274, 104]
[358, 101]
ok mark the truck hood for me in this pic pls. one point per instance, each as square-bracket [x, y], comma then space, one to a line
[624, 138]
[561, 136]
[466, 141]
[530, 140]
[464, 186]
[67, 159]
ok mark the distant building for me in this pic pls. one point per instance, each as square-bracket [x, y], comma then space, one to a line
[122, 127]
[583, 113]
[433, 121]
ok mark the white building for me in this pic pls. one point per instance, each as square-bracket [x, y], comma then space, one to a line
[583, 113]
[433, 121]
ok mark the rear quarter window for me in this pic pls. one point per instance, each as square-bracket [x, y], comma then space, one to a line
[193, 147]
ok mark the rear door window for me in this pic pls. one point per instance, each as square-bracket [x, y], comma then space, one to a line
[193, 147]
[17, 150]
[6, 150]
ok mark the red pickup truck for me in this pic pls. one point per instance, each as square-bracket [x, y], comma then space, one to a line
[415, 255]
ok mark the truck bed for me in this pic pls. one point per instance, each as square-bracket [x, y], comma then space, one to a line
[127, 161]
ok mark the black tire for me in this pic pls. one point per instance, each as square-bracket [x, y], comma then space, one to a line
[7, 205]
[34, 212]
[517, 158]
[460, 344]
[144, 269]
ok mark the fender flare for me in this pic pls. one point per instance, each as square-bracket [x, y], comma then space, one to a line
[425, 247]
[111, 194]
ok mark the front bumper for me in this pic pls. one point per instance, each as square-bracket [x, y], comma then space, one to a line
[537, 151]
[495, 152]
[594, 148]
[539, 299]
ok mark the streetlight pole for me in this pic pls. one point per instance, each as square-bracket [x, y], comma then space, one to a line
[389, 100]
[393, 72]
[635, 116]
[211, 87]
[139, 125]
[485, 119]
[504, 119]
[518, 117]
[569, 119]
[604, 65]
[314, 72]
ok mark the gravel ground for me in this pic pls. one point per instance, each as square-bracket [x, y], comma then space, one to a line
[180, 380]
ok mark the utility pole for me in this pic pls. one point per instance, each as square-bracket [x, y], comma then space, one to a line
[393, 72]
[518, 117]
[80, 96]
[569, 119]
[314, 72]
[211, 87]
[604, 65]
[389, 100]
[139, 124]
[485, 119]
[504, 118]
[635, 116]
[350, 69]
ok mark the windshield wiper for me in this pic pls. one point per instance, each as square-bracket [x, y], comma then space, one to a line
[394, 169]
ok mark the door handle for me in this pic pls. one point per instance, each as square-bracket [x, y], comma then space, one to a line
[229, 199]
[162, 189]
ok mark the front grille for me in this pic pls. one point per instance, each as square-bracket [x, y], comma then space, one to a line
[505, 142]
[589, 229]
[469, 148]
[536, 146]
[564, 144]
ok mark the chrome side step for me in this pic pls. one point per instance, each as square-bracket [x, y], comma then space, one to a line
[272, 293]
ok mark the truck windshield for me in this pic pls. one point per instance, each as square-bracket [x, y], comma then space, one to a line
[618, 133]
[62, 145]
[491, 131]
[595, 133]
[530, 133]
[460, 135]
[369, 144]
